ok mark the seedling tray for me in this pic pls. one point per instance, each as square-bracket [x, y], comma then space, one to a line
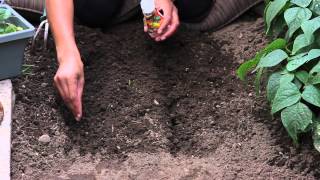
[12, 46]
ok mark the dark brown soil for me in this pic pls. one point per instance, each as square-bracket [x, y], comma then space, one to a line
[172, 110]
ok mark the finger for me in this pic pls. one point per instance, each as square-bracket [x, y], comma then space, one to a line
[174, 24]
[79, 97]
[63, 90]
[167, 10]
[145, 26]
[66, 97]
[72, 95]
[58, 85]
[158, 38]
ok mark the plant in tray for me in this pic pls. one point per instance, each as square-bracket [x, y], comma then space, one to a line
[293, 58]
[5, 25]
[15, 32]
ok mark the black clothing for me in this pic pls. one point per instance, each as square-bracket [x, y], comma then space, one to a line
[99, 13]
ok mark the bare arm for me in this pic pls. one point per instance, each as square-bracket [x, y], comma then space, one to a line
[69, 78]
[60, 14]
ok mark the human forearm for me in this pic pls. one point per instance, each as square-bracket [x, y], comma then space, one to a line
[69, 79]
[60, 15]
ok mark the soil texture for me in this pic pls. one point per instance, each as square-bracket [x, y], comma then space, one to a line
[172, 110]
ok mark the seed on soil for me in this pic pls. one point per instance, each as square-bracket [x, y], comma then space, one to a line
[240, 36]
[44, 139]
[44, 84]
[156, 102]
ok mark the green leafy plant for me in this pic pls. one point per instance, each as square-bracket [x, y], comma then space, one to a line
[293, 58]
[5, 26]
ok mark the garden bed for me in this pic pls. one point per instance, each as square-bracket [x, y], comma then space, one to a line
[155, 110]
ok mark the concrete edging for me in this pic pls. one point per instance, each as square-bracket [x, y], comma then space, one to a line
[6, 98]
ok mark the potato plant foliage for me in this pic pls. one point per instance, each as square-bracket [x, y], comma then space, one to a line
[5, 26]
[293, 87]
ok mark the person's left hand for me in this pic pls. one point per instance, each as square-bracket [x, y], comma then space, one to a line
[170, 21]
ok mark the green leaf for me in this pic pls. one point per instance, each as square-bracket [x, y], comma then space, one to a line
[301, 3]
[297, 83]
[316, 135]
[296, 119]
[246, 67]
[267, 4]
[272, 59]
[273, 10]
[311, 26]
[297, 56]
[4, 14]
[10, 28]
[314, 79]
[315, 7]
[257, 81]
[303, 76]
[287, 95]
[273, 85]
[278, 26]
[286, 78]
[294, 18]
[311, 94]
[296, 63]
[301, 42]
[315, 69]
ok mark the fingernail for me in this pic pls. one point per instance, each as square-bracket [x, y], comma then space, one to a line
[163, 38]
[78, 118]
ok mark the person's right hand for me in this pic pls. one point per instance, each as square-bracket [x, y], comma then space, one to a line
[69, 80]
[170, 21]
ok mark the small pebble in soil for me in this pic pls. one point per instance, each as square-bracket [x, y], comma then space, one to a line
[45, 139]
[44, 84]
[240, 36]
[156, 102]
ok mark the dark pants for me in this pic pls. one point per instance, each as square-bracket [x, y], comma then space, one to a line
[98, 13]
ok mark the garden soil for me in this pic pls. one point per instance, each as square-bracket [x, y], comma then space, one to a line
[171, 110]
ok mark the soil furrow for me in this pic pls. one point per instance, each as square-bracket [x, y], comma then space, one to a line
[172, 110]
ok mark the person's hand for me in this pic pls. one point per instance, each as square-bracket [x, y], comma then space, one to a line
[69, 80]
[170, 21]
